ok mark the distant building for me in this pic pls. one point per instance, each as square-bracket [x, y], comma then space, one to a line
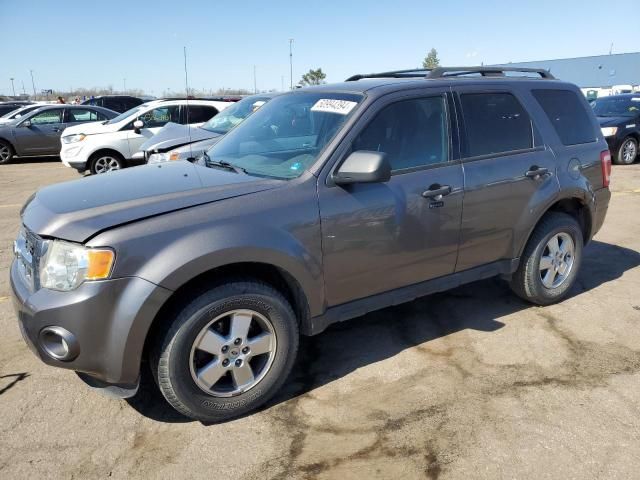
[598, 75]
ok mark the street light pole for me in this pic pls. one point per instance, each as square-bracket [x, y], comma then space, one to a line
[12, 87]
[124, 85]
[33, 84]
[291, 61]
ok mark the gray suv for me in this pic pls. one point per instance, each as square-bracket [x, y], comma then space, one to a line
[327, 203]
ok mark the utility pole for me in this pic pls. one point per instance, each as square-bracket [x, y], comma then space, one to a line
[255, 81]
[12, 87]
[291, 61]
[611, 49]
[24, 92]
[33, 84]
[124, 85]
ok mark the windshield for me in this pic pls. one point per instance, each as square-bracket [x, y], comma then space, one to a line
[617, 107]
[286, 136]
[126, 114]
[235, 114]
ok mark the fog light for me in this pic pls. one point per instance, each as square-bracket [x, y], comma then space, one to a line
[59, 344]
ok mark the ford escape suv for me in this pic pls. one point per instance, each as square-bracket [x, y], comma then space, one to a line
[326, 203]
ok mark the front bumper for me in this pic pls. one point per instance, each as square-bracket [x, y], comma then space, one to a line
[109, 319]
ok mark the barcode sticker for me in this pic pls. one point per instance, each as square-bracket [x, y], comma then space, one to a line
[330, 105]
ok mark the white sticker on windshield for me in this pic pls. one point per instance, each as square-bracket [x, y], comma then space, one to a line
[330, 105]
[635, 99]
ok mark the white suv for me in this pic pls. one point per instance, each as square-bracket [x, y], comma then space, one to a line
[114, 144]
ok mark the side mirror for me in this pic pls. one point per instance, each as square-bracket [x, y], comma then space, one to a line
[363, 166]
[137, 125]
[26, 124]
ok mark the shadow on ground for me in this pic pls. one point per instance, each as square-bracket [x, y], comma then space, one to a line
[32, 160]
[346, 347]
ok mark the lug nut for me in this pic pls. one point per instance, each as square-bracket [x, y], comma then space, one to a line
[225, 362]
[225, 349]
[245, 350]
[238, 362]
[237, 341]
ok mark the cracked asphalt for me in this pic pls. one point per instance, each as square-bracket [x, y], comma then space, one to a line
[472, 383]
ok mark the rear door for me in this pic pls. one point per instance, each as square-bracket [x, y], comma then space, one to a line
[384, 236]
[42, 137]
[508, 169]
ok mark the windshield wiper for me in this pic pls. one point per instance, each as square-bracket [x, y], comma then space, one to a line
[222, 163]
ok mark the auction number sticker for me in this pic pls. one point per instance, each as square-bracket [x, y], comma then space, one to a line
[330, 105]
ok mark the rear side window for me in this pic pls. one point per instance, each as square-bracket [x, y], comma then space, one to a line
[567, 114]
[200, 113]
[495, 123]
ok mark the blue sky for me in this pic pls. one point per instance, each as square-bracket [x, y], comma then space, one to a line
[72, 43]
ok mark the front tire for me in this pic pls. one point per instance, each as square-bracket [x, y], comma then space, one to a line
[6, 152]
[103, 162]
[627, 152]
[227, 352]
[551, 260]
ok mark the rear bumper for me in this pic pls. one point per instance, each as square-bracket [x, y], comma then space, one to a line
[602, 197]
[109, 320]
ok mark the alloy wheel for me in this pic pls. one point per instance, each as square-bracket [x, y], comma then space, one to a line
[5, 153]
[557, 260]
[629, 151]
[232, 353]
[106, 164]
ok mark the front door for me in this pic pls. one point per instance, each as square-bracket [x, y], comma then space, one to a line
[379, 237]
[42, 136]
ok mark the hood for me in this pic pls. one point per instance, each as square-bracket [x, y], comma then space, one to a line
[174, 135]
[80, 209]
[614, 121]
[196, 148]
[92, 128]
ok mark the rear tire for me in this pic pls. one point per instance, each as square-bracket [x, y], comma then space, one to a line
[627, 153]
[6, 152]
[551, 260]
[226, 352]
[103, 162]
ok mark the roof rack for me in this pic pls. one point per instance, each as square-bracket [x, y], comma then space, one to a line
[442, 72]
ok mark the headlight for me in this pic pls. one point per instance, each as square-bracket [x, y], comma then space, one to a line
[65, 266]
[164, 157]
[74, 138]
[609, 131]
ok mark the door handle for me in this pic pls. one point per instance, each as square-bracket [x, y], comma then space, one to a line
[56, 129]
[536, 172]
[436, 192]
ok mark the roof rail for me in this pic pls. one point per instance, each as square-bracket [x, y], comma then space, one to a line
[496, 71]
[441, 72]
[411, 73]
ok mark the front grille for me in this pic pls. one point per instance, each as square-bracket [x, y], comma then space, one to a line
[28, 250]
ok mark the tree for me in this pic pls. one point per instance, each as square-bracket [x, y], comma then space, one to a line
[431, 60]
[313, 77]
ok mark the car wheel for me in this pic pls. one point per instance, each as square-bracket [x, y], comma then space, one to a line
[627, 152]
[105, 162]
[6, 152]
[551, 260]
[227, 351]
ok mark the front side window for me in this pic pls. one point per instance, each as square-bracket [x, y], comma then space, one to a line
[48, 117]
[495, 123]
[234, 115]
[413, 133]
[567, 114]
[285, 136]
[159, 117]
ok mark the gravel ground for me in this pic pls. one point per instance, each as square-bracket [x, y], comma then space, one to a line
[472, 383]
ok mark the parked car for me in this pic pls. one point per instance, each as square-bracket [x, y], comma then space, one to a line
[117, 103]
[116, 144]
[10, 106]
[164, 145]
[37, 133]
[19, 112]
[325, 204]
[619, 117]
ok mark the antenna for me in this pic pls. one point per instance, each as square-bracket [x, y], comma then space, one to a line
[186, 86]
[611, 49]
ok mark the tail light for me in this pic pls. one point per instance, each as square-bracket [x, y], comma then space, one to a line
[605, 163]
